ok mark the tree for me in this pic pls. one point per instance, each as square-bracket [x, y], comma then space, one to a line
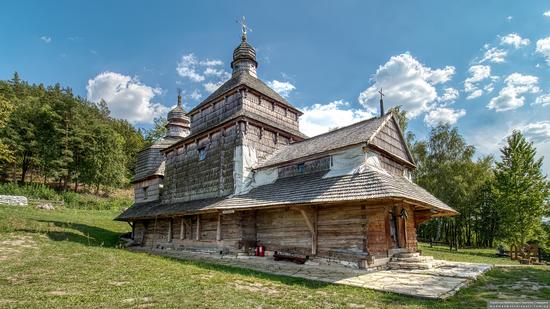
[521, 189]
[445, 167]
[158, 131]
[6, 107]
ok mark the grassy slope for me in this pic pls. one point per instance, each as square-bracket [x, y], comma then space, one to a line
[68, 258]
[487, 256]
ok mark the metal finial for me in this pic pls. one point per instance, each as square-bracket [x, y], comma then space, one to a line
[179, 97]
[381, 102]
[244, 28]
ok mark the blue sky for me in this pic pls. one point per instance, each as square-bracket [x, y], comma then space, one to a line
[483, 66]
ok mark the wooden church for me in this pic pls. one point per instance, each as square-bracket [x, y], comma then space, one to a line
[235, 173]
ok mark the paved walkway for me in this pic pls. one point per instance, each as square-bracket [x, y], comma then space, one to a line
[440, 282]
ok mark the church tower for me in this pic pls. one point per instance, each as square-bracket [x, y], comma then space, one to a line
[178, 122]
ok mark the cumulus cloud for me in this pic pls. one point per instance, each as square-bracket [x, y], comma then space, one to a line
[511, 95]
[449, 95]
[478, 74]
[282, 88]
[126, 97]
[494, 55]
[46, 39]
[547, 13]
[206, 71]
[320, 118]
[515, 40]
[443, 115]
[543, 48]
[537, 132]
[406, 82]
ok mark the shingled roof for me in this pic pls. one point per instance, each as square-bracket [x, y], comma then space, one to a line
[354, 134]
[150, 161]
[247, 80]
[304, 189]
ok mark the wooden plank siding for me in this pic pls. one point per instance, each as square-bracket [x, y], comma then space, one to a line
[346, 232]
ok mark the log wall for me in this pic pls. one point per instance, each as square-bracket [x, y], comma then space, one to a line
[345, 232]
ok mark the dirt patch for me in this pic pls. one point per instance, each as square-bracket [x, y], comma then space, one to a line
[12, 247]
[142, 302]
[59, 293]
[256, 287]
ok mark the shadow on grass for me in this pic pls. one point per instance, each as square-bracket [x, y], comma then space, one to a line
[89, 235]
[288, 280]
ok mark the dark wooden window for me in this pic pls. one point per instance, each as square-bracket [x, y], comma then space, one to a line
[301, 168]
[202, 153]
[145, 195]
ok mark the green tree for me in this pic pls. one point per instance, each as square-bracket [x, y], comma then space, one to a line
[521, 189]
[158, 131]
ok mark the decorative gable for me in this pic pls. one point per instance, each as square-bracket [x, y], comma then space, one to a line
[389, 138]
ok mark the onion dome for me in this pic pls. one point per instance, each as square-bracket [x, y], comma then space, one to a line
[178, 122]
[244, 57]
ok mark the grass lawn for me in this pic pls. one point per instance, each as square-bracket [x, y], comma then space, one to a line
[68, 258]
[487, 256]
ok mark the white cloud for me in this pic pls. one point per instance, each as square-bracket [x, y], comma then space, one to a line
[195, 95]
[407, 82]
[320, 118]
[443, 115]
[126, 97]
[478, 73]
[543, 100]
[449, 95]
[187, 68]
[282, 88]
[537, 132]
[547, 13]
[543, 48]
[46, 39]
[510, 96]
[509, 18]
[211, 62]
[211, 87]
[515, 40]
[494, 55]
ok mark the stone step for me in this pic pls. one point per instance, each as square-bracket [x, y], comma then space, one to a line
[417, 259]
[410, 265]
[407, 254]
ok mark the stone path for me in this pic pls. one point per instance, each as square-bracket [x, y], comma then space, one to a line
[441, 282]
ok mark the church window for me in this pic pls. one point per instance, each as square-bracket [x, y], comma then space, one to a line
[301, 168]
[202, 153]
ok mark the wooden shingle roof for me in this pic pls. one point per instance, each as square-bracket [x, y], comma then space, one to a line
[245, 79]
[304, 189]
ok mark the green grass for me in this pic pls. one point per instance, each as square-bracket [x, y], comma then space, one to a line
[487, 256]
[70, 198]
[69, 258]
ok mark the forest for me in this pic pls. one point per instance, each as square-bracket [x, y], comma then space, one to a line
[49, 135]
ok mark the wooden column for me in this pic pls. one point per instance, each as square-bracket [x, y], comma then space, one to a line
[170, 230]
[312, 226]
[182, 229]
[365, 227]
[219, 228]
[198, 234]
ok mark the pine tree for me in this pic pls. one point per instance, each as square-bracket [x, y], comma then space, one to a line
[521, 189]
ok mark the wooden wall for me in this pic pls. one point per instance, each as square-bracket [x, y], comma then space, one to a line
[216, 113]
[187, 178]
[345, 232]
[153, 190]
[266, 108]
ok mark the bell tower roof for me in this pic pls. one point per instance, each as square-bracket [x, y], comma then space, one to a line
[178, 124]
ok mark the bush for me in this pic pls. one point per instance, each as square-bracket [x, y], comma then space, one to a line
[71, 199]
[33, 191]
